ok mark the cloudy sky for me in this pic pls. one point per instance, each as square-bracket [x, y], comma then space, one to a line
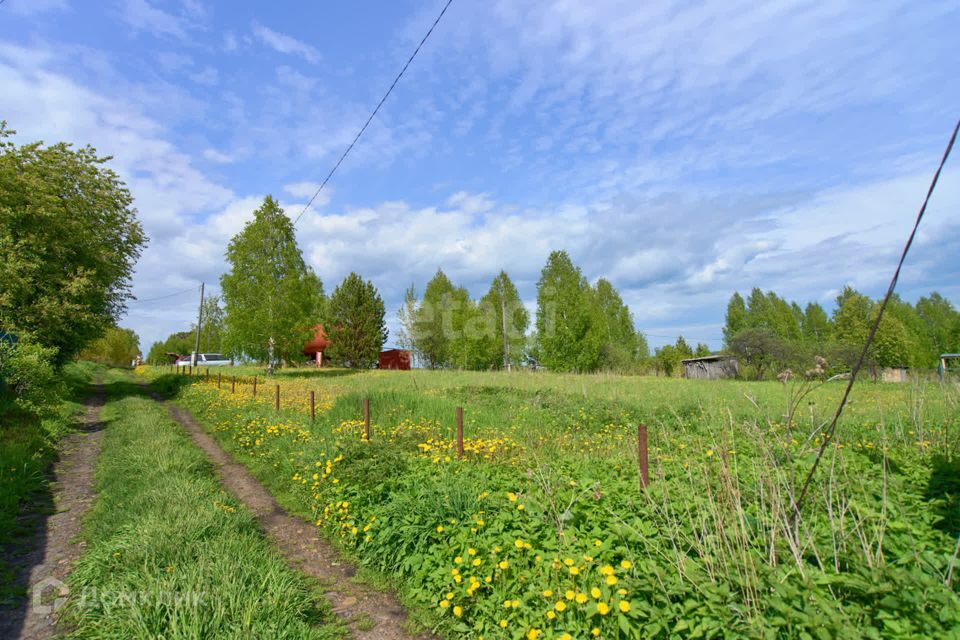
[681, 150]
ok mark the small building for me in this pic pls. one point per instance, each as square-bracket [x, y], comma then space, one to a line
[711, 367]
[314, 347]
[894, 374]
[394, 359]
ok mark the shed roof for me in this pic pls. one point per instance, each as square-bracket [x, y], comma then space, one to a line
[714, 358]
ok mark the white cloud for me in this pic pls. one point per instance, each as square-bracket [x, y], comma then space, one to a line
[283, 43]
[218, 156]
[208, 77]
[143, 16]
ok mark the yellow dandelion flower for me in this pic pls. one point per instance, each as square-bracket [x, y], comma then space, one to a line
[611, 580]
[561, 606]
[595, 592]
[603, 608]
[624, 606]
[458, 610]
[626, 564]
[444, 604]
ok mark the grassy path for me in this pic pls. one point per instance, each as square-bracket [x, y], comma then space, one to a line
[169, 553]
[369, 613]
[54, 548]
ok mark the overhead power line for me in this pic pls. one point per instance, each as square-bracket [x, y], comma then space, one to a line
[832, 428]
[163, 297]
[374, 113]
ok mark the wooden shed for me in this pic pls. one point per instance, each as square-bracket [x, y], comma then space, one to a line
[394, 359]
[315, 347]
[711, 367]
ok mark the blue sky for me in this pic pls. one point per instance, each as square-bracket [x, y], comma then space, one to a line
[681, 150]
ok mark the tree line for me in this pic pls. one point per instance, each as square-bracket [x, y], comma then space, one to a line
[769, 334]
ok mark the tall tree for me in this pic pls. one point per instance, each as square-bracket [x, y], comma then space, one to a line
[117, 347]
[502, 308]
[69, 239]
[736, 318]
[816, 325]
[180, 343]
[212, 327]
[619, 349]
[356, 325]
[433, 322]
[567, 328]
[272, 299]
[406, 317]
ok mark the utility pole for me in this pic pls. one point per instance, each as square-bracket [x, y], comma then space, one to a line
[506, 342]
[196, 352]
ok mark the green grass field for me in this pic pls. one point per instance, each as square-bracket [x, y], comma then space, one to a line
[169, 554]
[543, 530]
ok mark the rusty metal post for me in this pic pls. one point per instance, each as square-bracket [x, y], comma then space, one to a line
[218, 379]
[460, 432]
[366, 419]
[642, 456]
[208, 374]
[276, 398]
[312, 406]
[233, 384]
[190, 372]
[254, 386]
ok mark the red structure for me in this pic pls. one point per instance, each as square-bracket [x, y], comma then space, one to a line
[394, 359]
[315, 347]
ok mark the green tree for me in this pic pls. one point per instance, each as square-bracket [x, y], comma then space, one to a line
[180, 343]
[942, 322]
[406, 316]
[619, 350]
[736, 318]
[701, 351]
[502, 300]
[760, 349]
[433, 322]
[212, 328]
[117, 347]
[356, 324]
[272, 299]
[667, 359]
[69, 239]
[815, 325]
[568, 330]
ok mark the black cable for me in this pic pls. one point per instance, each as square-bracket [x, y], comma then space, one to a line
[828, 434]
[169, 295]
[376, 109]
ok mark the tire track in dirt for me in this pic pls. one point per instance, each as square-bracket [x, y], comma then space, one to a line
[54, 546]
[370, 614]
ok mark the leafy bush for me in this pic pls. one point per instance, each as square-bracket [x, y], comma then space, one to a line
[27, 375]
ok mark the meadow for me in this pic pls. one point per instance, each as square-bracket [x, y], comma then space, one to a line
[542, 530]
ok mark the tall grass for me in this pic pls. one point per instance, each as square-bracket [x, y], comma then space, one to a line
[170, 554]
[712, 544]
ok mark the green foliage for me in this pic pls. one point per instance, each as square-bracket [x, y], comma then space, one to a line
[502, 297]
[432, 322]
[568, 330]
[69, 239]
[180, 343]
[912, 336]
[213, 327]
[705, 551]
[118, 347]
[28, 378]
[623, 349]
[272, 299]
[356, 325]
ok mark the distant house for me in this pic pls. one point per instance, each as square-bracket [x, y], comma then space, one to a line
[711, 367]
[314, 347]
[394, 359]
